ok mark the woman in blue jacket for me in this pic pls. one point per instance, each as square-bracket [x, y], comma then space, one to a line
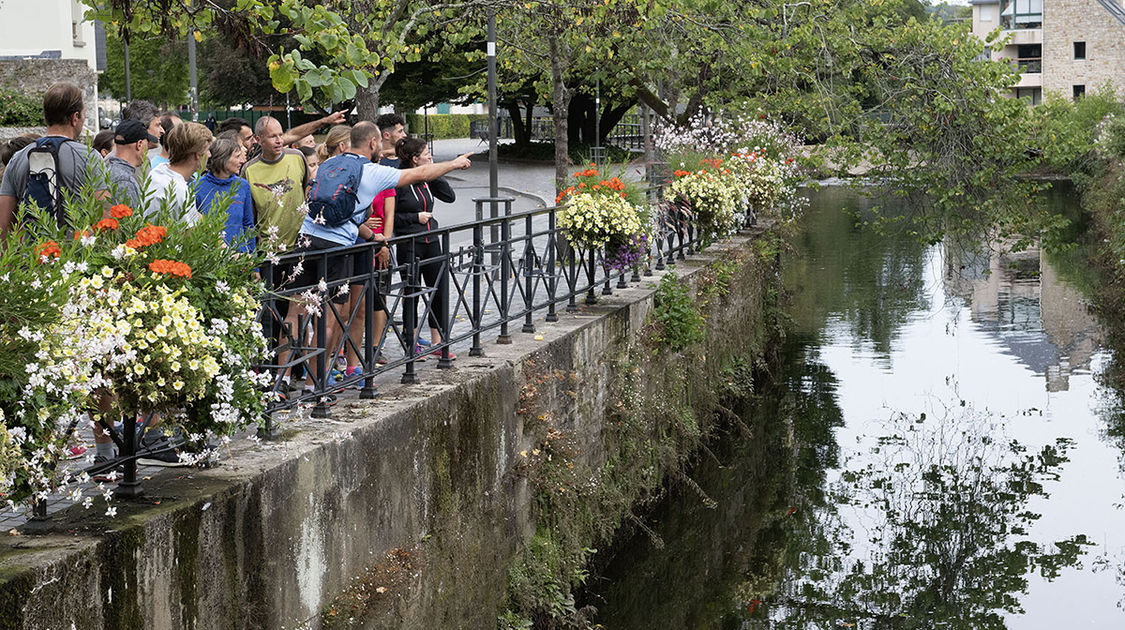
[220, 181]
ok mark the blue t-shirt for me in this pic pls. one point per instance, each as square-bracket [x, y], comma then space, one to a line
[376, 178]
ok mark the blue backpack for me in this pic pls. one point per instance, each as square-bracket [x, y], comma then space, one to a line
[44, 185]
[333, 192]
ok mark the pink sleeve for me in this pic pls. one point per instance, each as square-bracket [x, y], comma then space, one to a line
[378, 206]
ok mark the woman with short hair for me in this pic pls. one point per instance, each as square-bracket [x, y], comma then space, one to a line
[168, 183]
[221, 181]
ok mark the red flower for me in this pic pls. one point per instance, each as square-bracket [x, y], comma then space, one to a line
[170, 267]
[105, 224]
[47, 250]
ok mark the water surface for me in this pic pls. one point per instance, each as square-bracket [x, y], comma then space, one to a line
[936, 453]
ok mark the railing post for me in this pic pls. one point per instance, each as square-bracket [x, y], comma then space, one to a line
[410, 315]
[572, 278]
[477, 350]
[129, 486]
[553, 278]
[591, 297]
[529, 276]
[369, 392]
[444, 362]
[505, 271]
[322, 359]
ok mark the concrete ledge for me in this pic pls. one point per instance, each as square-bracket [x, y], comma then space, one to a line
[271, 537]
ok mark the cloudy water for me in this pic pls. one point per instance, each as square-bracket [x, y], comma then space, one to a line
[937, 452]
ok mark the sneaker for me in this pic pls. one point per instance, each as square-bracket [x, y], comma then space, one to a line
[437, 353]
[424, 342]
[353, 372]
[420, 353]
[76, 451]
[380, 359]
[109, 475]
[158, 451]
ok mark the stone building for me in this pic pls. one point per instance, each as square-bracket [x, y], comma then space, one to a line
[46, 41]
[1066, 47]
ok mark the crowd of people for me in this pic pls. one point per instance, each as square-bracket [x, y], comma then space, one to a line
[157, 159]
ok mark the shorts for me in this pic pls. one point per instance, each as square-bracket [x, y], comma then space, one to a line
[339, 266]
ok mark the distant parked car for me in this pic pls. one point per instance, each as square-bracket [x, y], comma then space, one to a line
[104, 121]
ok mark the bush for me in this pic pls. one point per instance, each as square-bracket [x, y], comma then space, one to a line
[19, 110]
[1064, 130]
[443, 126]
[679, 324]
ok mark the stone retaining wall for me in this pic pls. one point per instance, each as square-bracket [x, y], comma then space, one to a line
[417, 493]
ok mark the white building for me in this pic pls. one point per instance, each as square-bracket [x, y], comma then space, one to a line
[43, 41]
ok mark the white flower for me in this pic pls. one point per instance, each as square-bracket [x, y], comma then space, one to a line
[111, 512]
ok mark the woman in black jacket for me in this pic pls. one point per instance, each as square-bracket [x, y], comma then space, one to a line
[414, 215]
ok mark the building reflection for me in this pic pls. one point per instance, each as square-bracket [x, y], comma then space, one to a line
[1020, 299]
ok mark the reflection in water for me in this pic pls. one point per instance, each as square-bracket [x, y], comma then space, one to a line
[927, 529]
[1019, 298]
[927, 458]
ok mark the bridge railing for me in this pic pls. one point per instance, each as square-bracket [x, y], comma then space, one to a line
[474, 279]
[486, 277]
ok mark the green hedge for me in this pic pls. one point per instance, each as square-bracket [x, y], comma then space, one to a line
[443, 126]
[20, 110]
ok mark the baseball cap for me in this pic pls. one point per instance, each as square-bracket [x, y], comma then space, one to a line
[130, 131]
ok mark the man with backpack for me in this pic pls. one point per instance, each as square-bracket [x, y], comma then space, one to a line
[53, 166]
[340, 198]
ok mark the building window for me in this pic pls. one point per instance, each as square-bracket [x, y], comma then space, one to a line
[1032, 95]
[986, 14]
[1029, 57]
[1079, 50]
[1079, 91]
[1017, 14]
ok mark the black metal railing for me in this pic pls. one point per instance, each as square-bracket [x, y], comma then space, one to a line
[492, 272]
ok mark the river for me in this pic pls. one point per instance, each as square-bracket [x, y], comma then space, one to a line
[935, 451]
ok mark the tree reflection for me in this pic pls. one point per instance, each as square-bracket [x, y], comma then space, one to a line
[928, 529]
[844, 270]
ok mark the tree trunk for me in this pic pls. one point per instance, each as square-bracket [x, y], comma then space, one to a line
[611, 116]
[521, 130]
[559, 109]
[367, 101]
[530, 125]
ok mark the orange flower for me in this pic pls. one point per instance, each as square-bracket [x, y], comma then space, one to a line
[170, 267]
[81, 234]
[680, 172]
[105, 224]
[47, 250]
[148, 235]
[120, 211]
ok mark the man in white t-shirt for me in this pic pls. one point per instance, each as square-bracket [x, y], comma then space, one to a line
[168, 183]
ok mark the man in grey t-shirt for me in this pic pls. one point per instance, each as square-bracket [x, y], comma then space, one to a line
[131, 138]
[65, 113]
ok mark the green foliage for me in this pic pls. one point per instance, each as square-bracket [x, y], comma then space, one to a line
[19, 110]
[342, 57]
[1064, 130]
[1111, 137]
[157, 66]
[230, 75]
[443, 126]
[678, 322]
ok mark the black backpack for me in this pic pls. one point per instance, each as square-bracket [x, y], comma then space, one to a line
[333, 192]
[44, 185]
